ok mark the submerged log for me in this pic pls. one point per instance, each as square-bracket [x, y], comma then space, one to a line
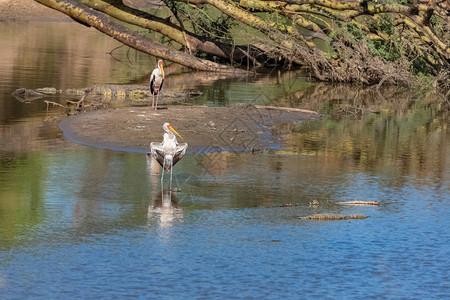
[128, 94]
[359, 202]
[332, 217]
[287, 109]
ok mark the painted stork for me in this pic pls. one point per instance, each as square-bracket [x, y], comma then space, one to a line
[156, 83]
[169, 152]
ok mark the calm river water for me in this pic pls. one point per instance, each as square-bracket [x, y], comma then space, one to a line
[81, 222]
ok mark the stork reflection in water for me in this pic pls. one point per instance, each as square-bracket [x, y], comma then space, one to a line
[169, 152]
[164, 210]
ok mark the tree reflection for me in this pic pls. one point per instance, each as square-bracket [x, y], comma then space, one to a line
[411, 137]
[21, 195]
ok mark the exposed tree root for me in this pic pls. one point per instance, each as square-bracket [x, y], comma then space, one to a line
[76, 107]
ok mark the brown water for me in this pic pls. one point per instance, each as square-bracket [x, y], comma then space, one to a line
[83, 222]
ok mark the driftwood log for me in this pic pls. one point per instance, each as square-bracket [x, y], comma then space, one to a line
[359, 202]
[75, 107]
[287, 109]
[332, 217]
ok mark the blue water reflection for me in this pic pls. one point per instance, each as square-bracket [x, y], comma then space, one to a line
[99, 231]
[82, 222]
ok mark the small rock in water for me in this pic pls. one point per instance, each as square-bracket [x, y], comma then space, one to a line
[212, 124]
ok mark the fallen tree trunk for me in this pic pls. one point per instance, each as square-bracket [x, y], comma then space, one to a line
[132, 39]
[194, 42]
[359, 41]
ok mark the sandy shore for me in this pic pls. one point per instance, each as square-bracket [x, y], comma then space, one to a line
[203, 128]
[28, 10]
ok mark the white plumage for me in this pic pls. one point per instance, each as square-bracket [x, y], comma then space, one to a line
[156, 82]
[169, 152]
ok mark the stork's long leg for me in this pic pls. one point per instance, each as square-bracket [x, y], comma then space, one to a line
[153, 101]
[157, 96]
[162, 175]
[170, 184]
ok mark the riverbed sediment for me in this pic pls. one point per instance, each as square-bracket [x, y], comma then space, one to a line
[242, 127]
[29, 10]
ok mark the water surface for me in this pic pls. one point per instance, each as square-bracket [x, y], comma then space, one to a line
[83, 222]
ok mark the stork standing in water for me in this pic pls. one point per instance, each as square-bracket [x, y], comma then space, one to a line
[156, 83]
[169, 152]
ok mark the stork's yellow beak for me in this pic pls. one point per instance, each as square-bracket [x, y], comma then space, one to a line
[160, 65]
[173, 130]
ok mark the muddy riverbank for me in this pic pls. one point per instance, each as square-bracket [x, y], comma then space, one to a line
[28, 10]
[203, 128]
